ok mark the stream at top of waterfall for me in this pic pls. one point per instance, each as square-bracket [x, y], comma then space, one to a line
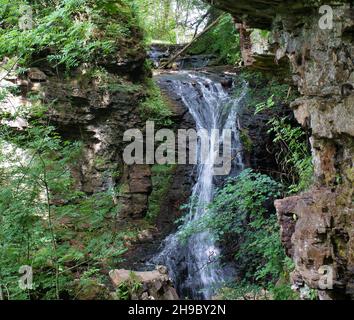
[196, 267]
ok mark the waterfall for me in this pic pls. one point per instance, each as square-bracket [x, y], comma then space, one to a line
[195, 267]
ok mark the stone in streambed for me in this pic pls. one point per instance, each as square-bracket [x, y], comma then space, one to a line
[155, 285]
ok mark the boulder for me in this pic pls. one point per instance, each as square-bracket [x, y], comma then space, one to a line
[36, 75]
[317, 235]
[154, 285]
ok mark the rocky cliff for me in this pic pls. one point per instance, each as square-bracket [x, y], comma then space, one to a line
[317, 226]
[94, 106]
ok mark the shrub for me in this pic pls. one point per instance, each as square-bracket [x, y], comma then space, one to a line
[222, 40]
[70, 31]
[238, 212]
[44, 221]
[242, 214]
[294, 156]
[129, 287]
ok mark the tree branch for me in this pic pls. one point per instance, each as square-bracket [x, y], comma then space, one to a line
[208, 28]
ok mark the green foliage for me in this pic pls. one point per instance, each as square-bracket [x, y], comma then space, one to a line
[266, 91]
[284, 292]
[44, 221]
[154, 108]
[110, 82]
[223, 41]
[265, 105]
[123, 291]
[246, 140]
[157, 20]
[129, 287]
[313, 294]
[73, 31]
[239, 291]
[238, 210]
[294, 156]
[267, 96]
[167, 21]
[161, 181]
[3, 94]
[245, 291]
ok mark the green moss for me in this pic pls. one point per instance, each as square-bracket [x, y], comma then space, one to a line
[341, 247]
[246, 140]
[106, 81]
[263, 86]
[154, 107]
[349, 173]
[162, 176]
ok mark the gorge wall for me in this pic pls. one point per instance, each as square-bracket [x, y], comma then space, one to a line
[86, 107]
[316, 226]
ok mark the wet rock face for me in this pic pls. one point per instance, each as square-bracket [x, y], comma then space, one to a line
[138, 185]
[142, 251]
[260, 155]
[88, 112]
[322, 233]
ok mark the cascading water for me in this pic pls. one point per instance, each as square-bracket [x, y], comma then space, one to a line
[195, 267]
[156, 54]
